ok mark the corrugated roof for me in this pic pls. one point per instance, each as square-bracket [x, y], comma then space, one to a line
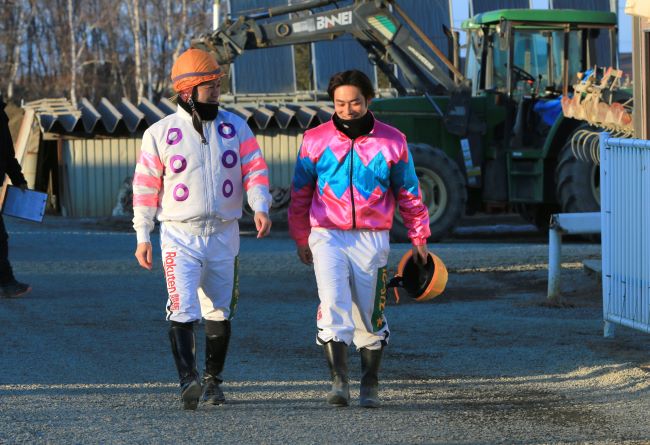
[126, 118]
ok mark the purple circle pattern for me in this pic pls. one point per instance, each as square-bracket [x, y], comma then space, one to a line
[229, 159]
[174, 136]
[227, 188]
[177, 158]
[184, 190]
[226, 130]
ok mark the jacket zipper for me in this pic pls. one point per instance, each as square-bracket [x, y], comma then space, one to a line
[354, 216]
[206, 166]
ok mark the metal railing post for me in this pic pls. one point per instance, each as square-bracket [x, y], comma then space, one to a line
[609, 330]
[554, 259]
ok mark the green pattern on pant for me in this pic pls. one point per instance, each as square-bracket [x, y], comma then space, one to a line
[235, 290]
[380, 299]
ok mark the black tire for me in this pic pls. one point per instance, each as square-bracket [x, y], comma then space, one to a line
[439, 175]
[577, 182]
[537, 214]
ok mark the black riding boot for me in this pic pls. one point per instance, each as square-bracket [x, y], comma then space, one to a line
[369, 393]
[217, 337]
[337, 359]
[181, 336]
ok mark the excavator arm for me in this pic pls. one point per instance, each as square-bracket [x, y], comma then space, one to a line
[371, 22]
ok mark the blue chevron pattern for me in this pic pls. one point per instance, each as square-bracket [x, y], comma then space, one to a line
[329, 171]
[304, 173]
[367, 178]
[404, 177]
[337, 174]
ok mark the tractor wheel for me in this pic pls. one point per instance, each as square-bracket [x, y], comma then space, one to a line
[443, 192]
[537, 214]
[577, 181]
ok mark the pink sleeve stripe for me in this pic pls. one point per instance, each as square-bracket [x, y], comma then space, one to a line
[257, 164]
[150, 160]
[146, 180]
[256, 180]
[148, 200]
[248, 146]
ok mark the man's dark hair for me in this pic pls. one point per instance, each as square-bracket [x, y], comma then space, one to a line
[354, 78]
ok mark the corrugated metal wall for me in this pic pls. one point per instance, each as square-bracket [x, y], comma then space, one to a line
[280, 149]
[342, 54]
[268, 71]
[30, 157]
[96, 168]
[480, 6]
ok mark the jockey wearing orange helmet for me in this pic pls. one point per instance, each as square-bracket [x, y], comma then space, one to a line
[194, 187]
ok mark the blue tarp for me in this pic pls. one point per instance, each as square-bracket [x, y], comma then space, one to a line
[549, 109]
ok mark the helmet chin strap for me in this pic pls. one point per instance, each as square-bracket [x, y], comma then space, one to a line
[395, 282]
[196, 119]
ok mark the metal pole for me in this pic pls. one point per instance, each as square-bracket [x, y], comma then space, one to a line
[554, 265]
[282, 10]
[216, 14]
[606, 236]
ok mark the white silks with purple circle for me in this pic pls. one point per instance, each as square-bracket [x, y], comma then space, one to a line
[194, 186]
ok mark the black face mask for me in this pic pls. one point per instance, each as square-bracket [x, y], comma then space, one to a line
[353, 128]
[206, 111]
[200, 111]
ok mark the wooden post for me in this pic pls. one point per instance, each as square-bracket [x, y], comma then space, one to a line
[641, 77]
[62, 193]
[20, 145]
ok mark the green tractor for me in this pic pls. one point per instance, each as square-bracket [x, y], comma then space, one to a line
[514, 147]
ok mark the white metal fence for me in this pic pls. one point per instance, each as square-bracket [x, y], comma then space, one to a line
[625, 213]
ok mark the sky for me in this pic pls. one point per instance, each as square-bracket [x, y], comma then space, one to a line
[461, 12]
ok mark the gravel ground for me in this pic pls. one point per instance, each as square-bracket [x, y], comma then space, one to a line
[85, 356]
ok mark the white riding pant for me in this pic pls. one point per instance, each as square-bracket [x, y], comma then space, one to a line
[350, 267]
[201, 273]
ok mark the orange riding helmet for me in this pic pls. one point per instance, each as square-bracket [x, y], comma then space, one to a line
[422, 282]
[194, 67]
